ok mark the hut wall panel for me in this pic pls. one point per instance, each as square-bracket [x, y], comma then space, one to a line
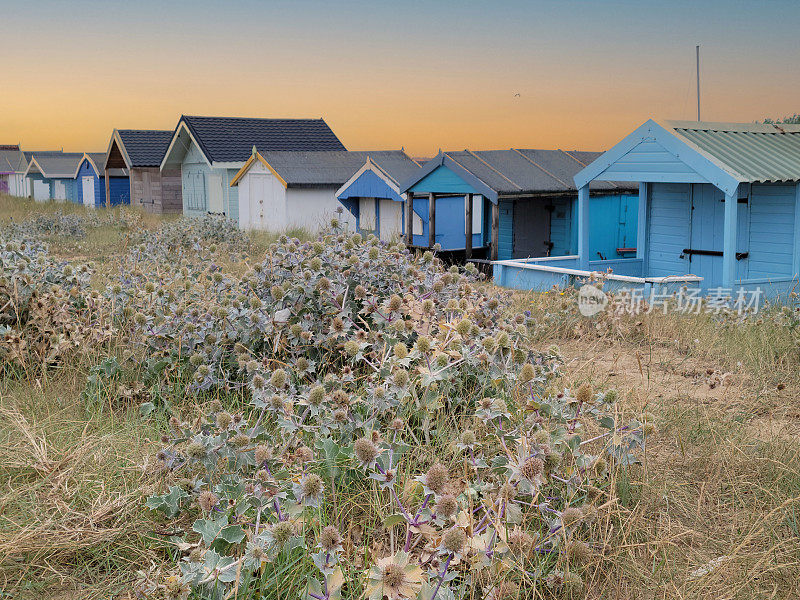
[561, 221]
[505, 246]
[650, 161]
[771, 242]
[119, 191]
[193, 183]
[669, 215]
[369, 185]
[442, 180]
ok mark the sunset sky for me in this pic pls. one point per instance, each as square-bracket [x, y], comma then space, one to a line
[423, 75]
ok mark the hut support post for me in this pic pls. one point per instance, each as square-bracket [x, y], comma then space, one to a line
[108, 189]
[409, 219]
[495, 229]
[468, 227]
[729, 240]
[641, 225]
[583, 227]
[431, 219]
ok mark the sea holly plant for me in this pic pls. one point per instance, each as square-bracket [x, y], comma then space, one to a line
[386, 383]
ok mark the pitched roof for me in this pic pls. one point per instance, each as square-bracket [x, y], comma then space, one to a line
[55, 164]
[752, 152]
[12, 159]
[517, 172]
[144, 147]
[329, 168]
[97, 162]
[231, 139]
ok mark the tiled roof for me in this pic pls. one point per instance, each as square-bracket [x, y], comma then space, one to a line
[333, 168]
[145, 147]
[231, 139]
[752, 152]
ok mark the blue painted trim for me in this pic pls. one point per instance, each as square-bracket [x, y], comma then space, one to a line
[583, 226]
[377, 217]
[641, 224]
[729, 240]
[709, 169]
[444, 160]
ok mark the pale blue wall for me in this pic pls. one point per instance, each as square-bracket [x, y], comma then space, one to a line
[195, 174]
[650, 161]
[668, 224]
[772, 224]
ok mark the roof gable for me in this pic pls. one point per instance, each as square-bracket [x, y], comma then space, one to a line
[55, 165]
[141, 147]
[323, 168]
[662, 156]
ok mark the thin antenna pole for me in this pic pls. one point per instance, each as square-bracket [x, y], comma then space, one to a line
[697, 53]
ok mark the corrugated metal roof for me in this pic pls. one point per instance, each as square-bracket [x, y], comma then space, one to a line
[529, 171]
[145, 147]
[231, 139]
[333, 168]
[752, 152]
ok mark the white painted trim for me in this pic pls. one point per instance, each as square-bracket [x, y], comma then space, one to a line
[585, 273]
[182, 126]
[115, 136]
[375, 168]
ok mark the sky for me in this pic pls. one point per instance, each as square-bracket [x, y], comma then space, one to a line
[419, 75]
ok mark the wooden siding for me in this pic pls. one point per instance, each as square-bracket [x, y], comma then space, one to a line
[154, 191]
[772, 225]
[197, 176]
[669, 214]
[505, 245]
[369, 185]
[442, 181]
[650, 161]
[561, 227]
[119, 187]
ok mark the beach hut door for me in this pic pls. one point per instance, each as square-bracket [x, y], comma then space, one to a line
[707, 232]
[88, 191]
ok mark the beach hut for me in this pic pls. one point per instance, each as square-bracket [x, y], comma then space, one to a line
[280, 191]
[139, 152]
[12, 171]
[97, 187]
[210, 151]
[516, 203]
[372, 195]
[52, 175]
[719, 208]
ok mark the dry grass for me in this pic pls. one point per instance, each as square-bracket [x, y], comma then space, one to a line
[719, 488]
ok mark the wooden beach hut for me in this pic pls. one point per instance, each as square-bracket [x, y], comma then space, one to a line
[719, 208]
[96, 186]
[52, 175]
[516, 203]
[139, 152]
[12, 171]
[210, 151]
[372, 195]
[280, 191]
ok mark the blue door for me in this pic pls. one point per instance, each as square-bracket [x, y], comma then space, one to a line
[708, 231]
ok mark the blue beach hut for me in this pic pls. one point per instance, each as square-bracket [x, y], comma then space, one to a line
[517, 203]
[719, 208]
[91, 185]
[372, 195]
[51, 175]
